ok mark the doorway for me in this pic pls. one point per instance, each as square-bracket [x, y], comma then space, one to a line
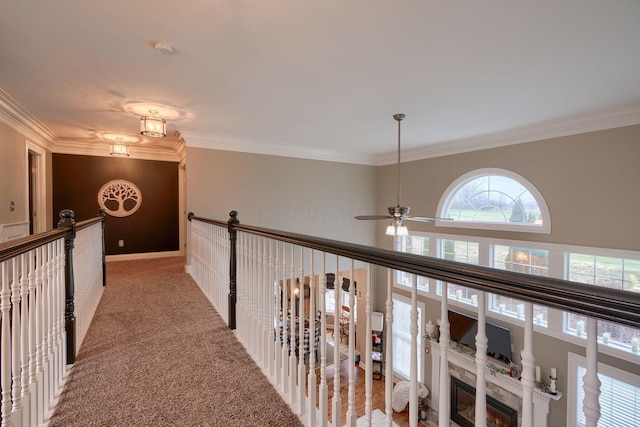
[36, 180]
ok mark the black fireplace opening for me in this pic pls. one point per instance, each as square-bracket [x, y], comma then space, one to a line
[463, 407]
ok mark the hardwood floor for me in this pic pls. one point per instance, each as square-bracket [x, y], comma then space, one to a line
[401, 419]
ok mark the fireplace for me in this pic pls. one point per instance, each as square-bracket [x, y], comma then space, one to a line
[463, 398]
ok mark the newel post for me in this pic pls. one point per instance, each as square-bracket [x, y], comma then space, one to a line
[103, 214]
[67, 220]
[233, 234]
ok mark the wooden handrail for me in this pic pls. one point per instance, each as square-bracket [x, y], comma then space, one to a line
[604, 303]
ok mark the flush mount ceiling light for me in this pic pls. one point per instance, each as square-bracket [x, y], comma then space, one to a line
[163, 48]
[119, 148]
[153, 126]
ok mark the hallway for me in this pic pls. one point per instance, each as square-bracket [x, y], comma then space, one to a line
[157, 354]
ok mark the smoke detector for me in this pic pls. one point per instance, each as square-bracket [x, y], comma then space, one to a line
[163, 48]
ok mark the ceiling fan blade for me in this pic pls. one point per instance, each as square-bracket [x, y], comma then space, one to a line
[373, 217]
[426, 219]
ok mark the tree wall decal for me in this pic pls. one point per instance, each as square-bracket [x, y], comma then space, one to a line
[120, 198]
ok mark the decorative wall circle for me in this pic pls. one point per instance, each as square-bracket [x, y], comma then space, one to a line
[120, 198]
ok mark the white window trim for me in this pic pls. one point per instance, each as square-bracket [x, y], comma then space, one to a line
[527, 228]
[573, 362]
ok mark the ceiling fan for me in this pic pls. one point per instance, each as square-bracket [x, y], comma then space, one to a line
[397, 214]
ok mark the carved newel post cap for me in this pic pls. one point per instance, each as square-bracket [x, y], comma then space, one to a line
[67, 216]
[233, 214]
[190, 216]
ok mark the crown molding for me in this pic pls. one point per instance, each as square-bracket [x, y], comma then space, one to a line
[18, 118]
[610, 119]
[245, 146]
[103, 149]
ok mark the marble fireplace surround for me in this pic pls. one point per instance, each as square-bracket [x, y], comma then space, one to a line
[499, 386]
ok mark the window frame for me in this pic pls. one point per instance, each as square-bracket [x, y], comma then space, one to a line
[421, 332]
[574, 361]
[555, 325]
[453, 188]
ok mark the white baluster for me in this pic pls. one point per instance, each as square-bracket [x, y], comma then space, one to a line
[351, 406]
[24, 336]
[285, 321]
[528, 367]
[413, 362]
[292, 354]
[388, 358]
[39, 333]
[279, 320]
[312, 345]
[5, 347]
[301, 366]
[271, 321]
[481, 363]
[336, 408]
[591, 404]
[443, 404]
[368, 386]
[16, 392]
[323, 390]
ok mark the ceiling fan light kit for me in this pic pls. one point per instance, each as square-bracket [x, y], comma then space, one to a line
[397, 214]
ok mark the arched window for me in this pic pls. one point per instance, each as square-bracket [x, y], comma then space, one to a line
[495, 199]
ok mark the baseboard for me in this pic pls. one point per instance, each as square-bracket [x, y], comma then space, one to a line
[145, 255]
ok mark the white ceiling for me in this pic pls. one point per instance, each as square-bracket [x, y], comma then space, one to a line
[322, 78]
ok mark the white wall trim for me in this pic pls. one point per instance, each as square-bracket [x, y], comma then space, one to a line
[13, 231]
[144, 255]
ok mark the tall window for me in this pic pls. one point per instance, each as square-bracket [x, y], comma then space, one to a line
[418, 245]
[608, 272]
[402, 337]
[460, 251]
[494, 199]
[522, 260]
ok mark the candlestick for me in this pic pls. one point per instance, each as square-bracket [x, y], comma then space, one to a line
[538, 376]
[552, 386]
[554, 374]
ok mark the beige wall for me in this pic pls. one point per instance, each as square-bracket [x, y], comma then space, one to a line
[312, 197]
[13, 178]
[13, 172]
[590, 183]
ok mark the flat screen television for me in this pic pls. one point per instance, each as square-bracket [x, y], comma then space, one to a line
[463, 330]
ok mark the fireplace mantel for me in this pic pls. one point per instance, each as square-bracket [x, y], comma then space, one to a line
[512, 385]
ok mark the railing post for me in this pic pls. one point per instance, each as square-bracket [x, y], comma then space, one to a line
[67, 220]
[233, 234]
[103, 214]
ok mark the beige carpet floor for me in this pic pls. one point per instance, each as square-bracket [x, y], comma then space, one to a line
[158, 354]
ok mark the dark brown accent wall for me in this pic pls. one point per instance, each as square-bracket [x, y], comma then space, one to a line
[153, 228]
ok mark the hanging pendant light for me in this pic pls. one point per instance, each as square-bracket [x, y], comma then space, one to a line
[153, 126]
[119, 148]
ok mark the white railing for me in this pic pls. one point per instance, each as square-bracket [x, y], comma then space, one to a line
[33, 340]
[273, 269]
[88, 277]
